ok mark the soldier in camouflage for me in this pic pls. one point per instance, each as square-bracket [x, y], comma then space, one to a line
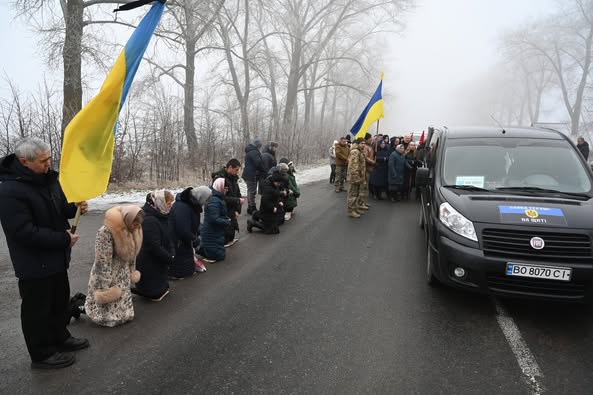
[369, 164]
[356, 176]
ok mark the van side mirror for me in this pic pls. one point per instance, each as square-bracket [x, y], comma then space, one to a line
[422, 176]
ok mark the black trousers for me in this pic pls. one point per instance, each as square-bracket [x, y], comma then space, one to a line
[332, 175]
[45, 314]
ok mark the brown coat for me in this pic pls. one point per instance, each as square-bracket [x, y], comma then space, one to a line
[342, 153]
[109, 299]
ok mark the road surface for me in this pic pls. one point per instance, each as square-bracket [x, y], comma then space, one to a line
[330, 305]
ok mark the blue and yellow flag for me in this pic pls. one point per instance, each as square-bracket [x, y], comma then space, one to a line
[371, 113]
[87, 150]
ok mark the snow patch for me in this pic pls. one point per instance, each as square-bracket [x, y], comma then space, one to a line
[108, 200]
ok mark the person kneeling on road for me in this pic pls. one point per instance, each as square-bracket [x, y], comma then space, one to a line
[157, 250]
[215, 222]
[266, 219]
[118, 242]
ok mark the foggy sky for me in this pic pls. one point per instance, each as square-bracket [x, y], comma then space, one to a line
[445, 45]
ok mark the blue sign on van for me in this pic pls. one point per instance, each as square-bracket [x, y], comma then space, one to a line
[528, 215]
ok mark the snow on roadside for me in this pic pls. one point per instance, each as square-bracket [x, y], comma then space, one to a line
[108, 200]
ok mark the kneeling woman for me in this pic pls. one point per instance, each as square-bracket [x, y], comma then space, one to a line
[157, 250]
[215, 222]
[109, 299]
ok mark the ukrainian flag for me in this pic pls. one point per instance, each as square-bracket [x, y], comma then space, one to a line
[371, 113]
[87, 150]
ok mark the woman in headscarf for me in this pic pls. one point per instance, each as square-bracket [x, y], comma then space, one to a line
[109, 299]
[397, 166]
[184, 222]
[215, 220]
[157, 249]
[378, 178]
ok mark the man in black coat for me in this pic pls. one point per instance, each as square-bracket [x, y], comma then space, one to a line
[269, 156]
[583, 147]
[232, 198]
[34, 215]
[253, 171]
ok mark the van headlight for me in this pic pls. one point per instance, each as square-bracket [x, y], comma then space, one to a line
[457, 222]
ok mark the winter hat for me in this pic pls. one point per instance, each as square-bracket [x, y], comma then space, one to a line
[201, 194]
[347, 137]
[257, 142]
[283, 168]
[283, 160]
[218, 185]
[335, 142]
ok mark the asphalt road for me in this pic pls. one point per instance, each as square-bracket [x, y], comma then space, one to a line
[330, 305]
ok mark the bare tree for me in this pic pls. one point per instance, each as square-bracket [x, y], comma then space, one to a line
[64, 36]
[566, 41]
[185, 24]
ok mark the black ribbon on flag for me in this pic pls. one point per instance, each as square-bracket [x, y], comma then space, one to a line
[135, 4]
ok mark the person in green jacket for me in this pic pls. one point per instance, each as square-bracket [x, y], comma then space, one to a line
[293, 190]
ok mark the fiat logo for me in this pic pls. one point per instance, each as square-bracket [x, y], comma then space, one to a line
[537, 243]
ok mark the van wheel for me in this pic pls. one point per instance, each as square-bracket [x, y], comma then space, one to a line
[420, 220]
[430, 278]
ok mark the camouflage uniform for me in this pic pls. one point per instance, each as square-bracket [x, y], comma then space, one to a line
[369, 164]
[342, 152]
[356, 176]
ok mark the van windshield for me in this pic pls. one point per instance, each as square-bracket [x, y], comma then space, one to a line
[492, 163]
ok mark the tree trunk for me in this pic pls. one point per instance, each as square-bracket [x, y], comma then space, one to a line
[578, 105]
[72, 62]
[188, 105]
[293, 83]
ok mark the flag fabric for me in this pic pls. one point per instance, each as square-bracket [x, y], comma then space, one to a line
[421, 141]
[371, 113]
[89, 139]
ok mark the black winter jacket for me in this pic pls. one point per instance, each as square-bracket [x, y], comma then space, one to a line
[184, 222]
[584, 150]
[156, 253]
[34, 215]
[269, 159]
[254, 168]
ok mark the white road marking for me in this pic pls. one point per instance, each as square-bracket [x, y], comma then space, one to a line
[531, 371]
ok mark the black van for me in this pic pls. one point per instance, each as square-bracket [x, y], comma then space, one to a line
[507, 212]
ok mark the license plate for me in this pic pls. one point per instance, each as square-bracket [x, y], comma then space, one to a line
[536, 271]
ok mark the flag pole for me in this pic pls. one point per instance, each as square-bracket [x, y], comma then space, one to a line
[376, 138]
[76, 219]
[377, 132]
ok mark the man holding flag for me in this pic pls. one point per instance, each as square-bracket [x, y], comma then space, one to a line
[34, 208]
[34, 215]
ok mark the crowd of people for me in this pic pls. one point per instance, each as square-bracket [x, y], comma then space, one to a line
[374, 166]
[138, 250]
